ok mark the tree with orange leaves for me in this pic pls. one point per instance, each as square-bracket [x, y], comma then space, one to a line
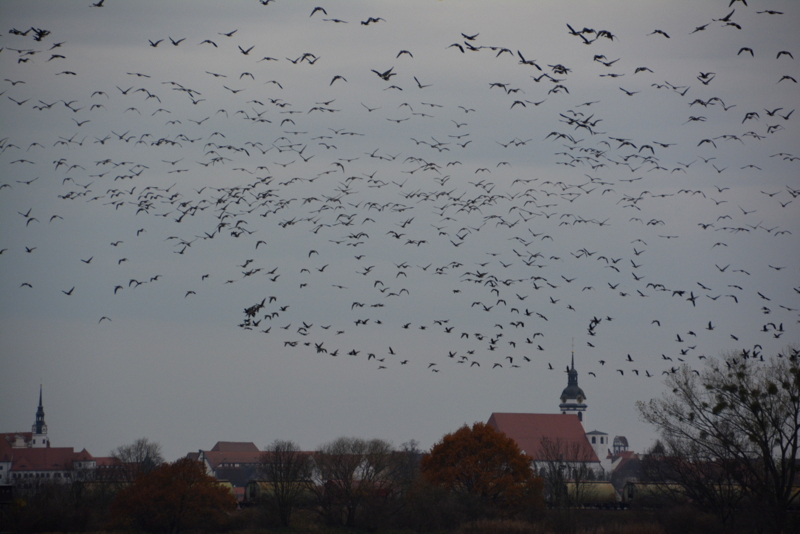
[173, 498]
[486, 467]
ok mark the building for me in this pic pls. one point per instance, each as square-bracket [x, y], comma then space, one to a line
[235, 462]
[546, 437]
[561, 437]
[27, 459]
[625, 467]
[39, 437]
[599, 442]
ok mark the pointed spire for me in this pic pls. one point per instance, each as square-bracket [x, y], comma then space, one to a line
[40, 427]
[573, 353]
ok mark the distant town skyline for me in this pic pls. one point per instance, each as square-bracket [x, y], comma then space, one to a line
[237, 221]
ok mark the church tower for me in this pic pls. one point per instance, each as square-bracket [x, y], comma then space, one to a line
[573, 397]
[39, 438]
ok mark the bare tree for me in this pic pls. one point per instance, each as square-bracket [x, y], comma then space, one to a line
[287, 473]
[732, 433]
[140, 457]
[349, 472]
[566, 468]
[704, 480]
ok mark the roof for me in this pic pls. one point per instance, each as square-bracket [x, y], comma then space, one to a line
[229, 454]
[106, 461]
[573, 392]
[529, 429]
[230, 459]
[84, 456]
[623, 457]
[596, 433]
[47, 459]
[626, 465]
[235, 446]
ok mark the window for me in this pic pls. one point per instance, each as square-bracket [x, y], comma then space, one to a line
[601, 440]
[594, 440]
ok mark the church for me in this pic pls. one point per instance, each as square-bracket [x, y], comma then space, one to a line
[27, 459]
[561, 437]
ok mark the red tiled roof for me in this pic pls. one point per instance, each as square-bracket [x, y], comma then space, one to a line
[216, 459]
[528, 430]
[47, 459]
[235, 446]
[229, 453]
[106, 461]
[623, 458]
[83, 456]
[625, 454]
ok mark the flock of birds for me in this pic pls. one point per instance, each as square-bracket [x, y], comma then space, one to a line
[376, 216]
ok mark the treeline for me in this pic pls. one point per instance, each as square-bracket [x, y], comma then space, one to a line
[476, 473]
[474, 480]
[728, 461]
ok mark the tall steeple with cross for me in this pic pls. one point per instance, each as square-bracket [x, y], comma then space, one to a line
[573, 398]
[39, 438]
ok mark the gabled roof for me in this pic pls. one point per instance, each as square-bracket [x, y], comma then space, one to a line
[229, 454]
[528, 430]
[235, 446]
[623, 457]
[83, 456]
[47, 459]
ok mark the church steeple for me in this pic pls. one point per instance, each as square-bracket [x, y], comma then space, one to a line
[573, 397]
[572, 374]
[39, 428]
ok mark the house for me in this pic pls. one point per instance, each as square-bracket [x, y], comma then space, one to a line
[626, 466]
[235, 462]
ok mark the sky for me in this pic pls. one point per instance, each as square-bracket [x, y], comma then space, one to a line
[229, 221]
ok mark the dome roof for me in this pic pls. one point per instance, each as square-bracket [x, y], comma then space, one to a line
[573, 392]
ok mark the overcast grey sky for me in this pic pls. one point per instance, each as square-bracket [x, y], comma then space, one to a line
[433, 207]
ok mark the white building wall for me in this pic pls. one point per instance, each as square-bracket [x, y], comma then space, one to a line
[600, 443]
